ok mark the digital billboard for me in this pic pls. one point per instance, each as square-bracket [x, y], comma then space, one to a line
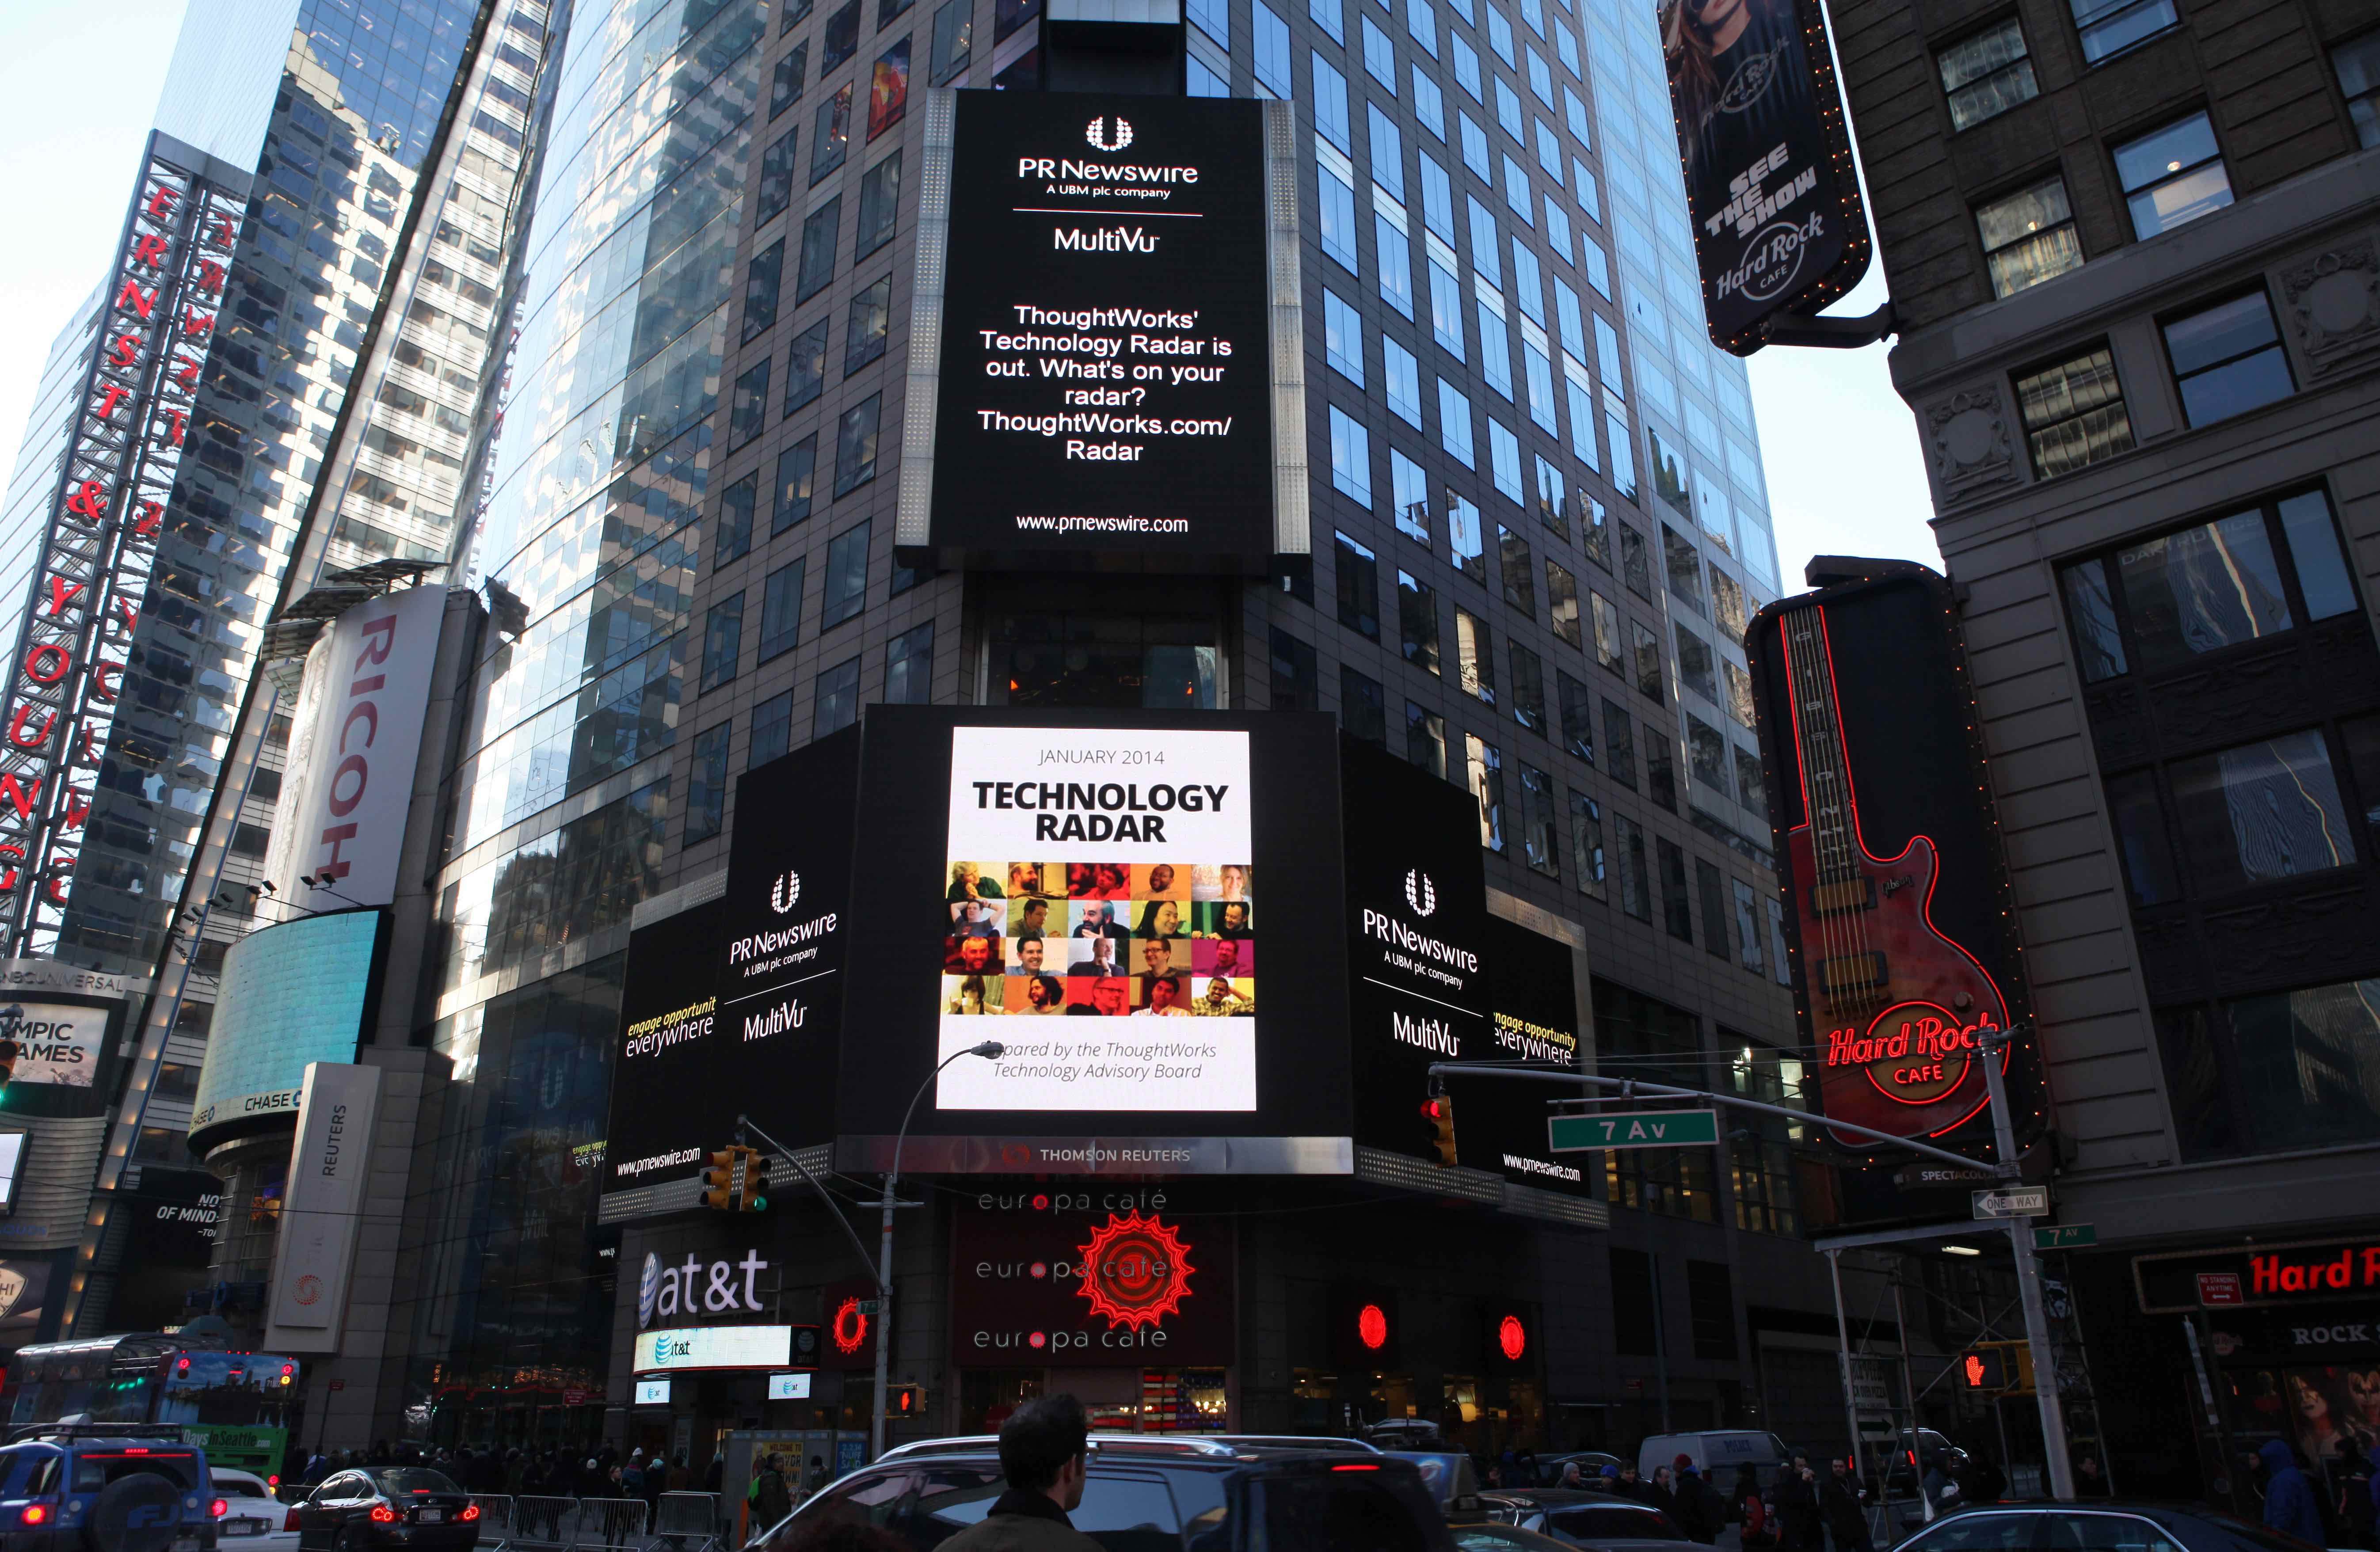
[63, 1042]
[1500, 1123]
[1160, 890]
[293, 993]
[1099, 306]
[1901, 925]
[1089, 1275]
[1771, 190]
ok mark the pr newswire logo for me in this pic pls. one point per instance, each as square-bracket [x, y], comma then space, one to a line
[784, 892]
[1101, 141]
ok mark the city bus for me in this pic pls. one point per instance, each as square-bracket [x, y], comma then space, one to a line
[234, 1405]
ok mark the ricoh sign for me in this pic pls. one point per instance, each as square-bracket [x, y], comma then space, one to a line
[99, 545]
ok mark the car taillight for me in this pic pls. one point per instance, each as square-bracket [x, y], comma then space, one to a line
[1364, 1466]
[470, 1511]
[383, 1515]
[37, 1514]
[219, 1508]
[290, 1524]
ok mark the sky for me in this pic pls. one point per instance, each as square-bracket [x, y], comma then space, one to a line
[1841, 449]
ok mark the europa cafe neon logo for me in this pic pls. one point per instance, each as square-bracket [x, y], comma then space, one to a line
[1135, 1272]
[1913, 1052]
[848, 1330]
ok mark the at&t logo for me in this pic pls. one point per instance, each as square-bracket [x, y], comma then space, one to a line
[1420, 893]
[649, 1288]
[784, 892]
[1098, 134]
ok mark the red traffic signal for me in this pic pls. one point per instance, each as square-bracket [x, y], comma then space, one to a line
[1438, 1111]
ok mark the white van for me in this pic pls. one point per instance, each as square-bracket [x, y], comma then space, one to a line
[1725, 1448]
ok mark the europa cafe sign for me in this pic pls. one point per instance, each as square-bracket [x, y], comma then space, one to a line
[1095, 1277]
[156, 323]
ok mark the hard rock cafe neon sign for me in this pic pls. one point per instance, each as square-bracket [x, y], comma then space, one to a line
[1913, 1052]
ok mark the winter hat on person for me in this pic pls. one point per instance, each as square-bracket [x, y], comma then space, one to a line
[1611, 1471]
[1685, 1462]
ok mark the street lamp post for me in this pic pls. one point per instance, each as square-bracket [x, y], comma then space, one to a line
[2028, 1281]
[989, 1051]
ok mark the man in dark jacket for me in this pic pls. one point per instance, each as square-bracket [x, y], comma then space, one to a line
[1699, 1513]
[1044, 1451]
[1798, 1524]
[1846, 1518]
[2290, 1506]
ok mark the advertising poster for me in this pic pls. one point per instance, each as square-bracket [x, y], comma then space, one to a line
[1105, 366]
[57, 1043]
[1501, 1124]
[1905, 958]
[320, 1215]
[1141, 909]
[1417, 926]
[664, 1082]
[24, 1287]
[293, 993]
[1777, 221]
[1102, 878]
[1090, 1276]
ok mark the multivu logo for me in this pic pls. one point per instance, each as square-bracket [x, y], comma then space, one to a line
[786, 1015]
[786, 892]
[1420, 893]
[1101, 141]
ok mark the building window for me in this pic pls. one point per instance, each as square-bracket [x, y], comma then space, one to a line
[846, 577]
[2261, 811]
[1576, 706]
[1474, 656]
[1635, 875]
[722, 642]
[1487, 767]
[831, 136]
[855, 444]
[1520, 580]
[1619, 745]
[1698, 667]
[2227, 358]
[777, 176]
[1606, 631]
[2029, 237]
[1359, 589]
[1425, 739]
[786, 86]
[1342, 337]
[761, 289]
[772, 729]
[1417, 621]
[2074, 413]
[2173, 175]
[1272, 49]
[1677, 908]
[1541, 841]
[953, 34]
[1586, 843]
[2283, 1070]
[706, 784]
[1710, 1308]
[796, 466]
[781, 609]
[1781, 965]
[1362, 706]
[1635, 566]
[1648, 663]
[1751, 788]
[806, 372]
[1710, 884]
[836, 706]
[2138, 821]
[909, 667]
[1351, 458]
[1760, 1156]
[1561, 605]
[867, 324]
[1747, 928]
[2358, 64]
[748, 410]
[880, 202]
[2160, 603]
[1660, 770]
[1528, 688]
[819, 232]
[2110, 26]
[1084, 660]
[1987, 74]
[736, 521]
[1466, 542]
[1409, 497]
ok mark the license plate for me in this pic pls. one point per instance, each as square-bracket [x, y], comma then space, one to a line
[241, 1528]
[430, 1516]
[185, 1543]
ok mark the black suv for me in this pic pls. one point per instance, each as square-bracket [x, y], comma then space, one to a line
[1156, 1494]
[67, 1487]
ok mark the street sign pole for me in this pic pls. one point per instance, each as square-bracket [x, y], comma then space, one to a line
[2028, 1284]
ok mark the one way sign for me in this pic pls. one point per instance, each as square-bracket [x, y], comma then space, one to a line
[1632, 1129]
[2024, 1201]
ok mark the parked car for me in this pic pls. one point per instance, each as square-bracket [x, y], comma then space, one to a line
[410, 1506]
[1585, 1518]
[1152, 1494]
[252, 1520]
[69, 1487]
[2098, 1527]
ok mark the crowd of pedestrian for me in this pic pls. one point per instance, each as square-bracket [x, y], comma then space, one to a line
[594, 1471]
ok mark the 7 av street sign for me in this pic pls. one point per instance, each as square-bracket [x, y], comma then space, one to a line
[1632, 1129]
[2023, 1201]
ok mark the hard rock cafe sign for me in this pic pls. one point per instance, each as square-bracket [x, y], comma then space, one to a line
[1915, 1053]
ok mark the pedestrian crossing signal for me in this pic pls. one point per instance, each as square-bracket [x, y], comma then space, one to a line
[1438, 1111]
[905, 1400]
[1984, 1368]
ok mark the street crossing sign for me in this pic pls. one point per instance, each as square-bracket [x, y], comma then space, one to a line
[1632, 1129]
[2021, 1201]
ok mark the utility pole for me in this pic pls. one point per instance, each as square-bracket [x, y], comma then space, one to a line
[2028, 1281]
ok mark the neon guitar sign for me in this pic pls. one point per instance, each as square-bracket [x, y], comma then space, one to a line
[1900, 1008]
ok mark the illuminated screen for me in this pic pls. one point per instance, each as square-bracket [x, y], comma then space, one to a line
[652, 1392]
[1106, 375]
[714, 1347]
[294, 993]
[12, 1162]
[786, 1388]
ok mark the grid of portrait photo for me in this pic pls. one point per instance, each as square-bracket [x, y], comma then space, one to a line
[1101, 939]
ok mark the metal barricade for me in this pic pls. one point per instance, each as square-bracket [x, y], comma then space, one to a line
[495, 1522]
[690, 1523]
[541, 1524]
[617, 1524]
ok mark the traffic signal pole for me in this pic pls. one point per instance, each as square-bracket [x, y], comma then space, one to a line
[2028, 1284]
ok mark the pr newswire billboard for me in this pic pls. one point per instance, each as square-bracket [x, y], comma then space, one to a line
[1098, 306]
[1901, 923]
[294, 993]
[1771, 188]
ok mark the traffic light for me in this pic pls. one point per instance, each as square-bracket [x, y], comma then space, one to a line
[905, 1400]
[719, 1180]
[1438, 1111]
[756, 1180]
[1984, 1368]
